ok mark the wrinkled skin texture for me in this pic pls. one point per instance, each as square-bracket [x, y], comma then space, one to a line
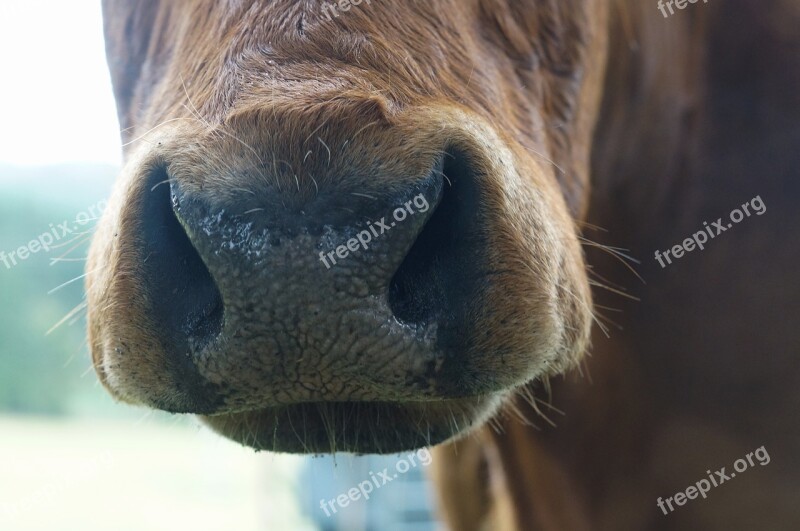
[270, 133]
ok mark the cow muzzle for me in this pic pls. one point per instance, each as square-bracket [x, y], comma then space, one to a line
[377, 303]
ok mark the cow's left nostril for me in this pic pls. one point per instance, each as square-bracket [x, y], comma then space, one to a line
[184, 299]
[437, 278]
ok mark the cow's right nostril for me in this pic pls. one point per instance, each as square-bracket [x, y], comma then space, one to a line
[183, 297]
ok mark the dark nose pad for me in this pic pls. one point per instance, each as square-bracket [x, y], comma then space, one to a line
[229, 278]
[185, 304]
[185, 301]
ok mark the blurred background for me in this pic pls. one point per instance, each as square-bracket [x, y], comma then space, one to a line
[71, 458]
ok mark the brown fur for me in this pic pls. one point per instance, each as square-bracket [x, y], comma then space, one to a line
[700, 371]
[670, 120]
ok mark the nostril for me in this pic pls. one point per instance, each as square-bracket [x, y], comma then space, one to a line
[435, 280]
[184, 299]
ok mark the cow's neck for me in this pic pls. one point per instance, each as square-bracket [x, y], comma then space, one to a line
[699, 115]
[649, 117]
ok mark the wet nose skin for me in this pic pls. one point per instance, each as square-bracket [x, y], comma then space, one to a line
[263, 303]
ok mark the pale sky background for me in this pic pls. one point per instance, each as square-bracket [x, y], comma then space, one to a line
[56, 104]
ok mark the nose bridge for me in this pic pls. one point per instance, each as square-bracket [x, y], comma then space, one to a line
[318, 131]
[290, 156]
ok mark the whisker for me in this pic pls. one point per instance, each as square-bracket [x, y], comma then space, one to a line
[618, 292]
[140, 137]
[67, 283]
[559, 168]
[88, 370]
[78, 236]
[326, 147]
[196, 112]
[315, 183]
[590, 226]
[320, 126]
[616, 253]
[443, 174]
[159, 184]
[54, 261]
[362, 129]
[75, 353]
[608, 282]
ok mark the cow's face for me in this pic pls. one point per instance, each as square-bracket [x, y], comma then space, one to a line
[349, 234]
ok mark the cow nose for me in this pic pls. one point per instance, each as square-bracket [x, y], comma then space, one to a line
[219, 267]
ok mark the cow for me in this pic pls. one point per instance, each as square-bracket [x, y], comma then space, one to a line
[375, 226]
